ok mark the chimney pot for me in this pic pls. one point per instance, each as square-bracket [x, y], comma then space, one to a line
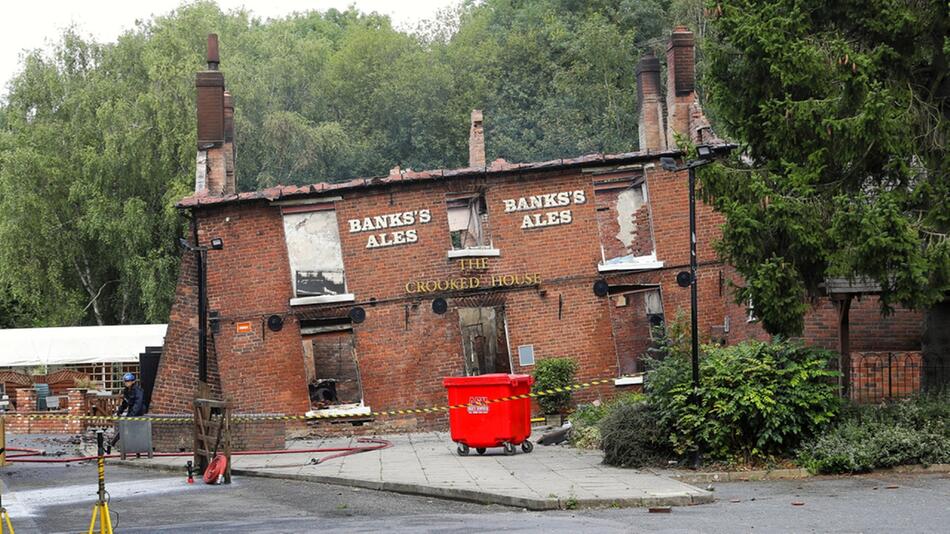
[213, 59]
[681, 60]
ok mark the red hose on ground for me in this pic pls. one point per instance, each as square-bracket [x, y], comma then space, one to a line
[215, 469]
[28, 452]
[378, 444]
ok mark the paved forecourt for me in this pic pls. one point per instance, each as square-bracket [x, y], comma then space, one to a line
[427, 464]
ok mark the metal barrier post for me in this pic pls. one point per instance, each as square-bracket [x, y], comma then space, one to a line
[4, 515]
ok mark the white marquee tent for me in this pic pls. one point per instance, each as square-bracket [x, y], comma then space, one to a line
[31, 347]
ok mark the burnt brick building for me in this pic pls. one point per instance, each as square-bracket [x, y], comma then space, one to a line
[362, 295]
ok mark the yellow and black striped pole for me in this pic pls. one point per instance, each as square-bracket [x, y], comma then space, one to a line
[101, 508]
[5, 519]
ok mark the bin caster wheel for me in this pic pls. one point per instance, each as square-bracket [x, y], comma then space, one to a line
[463, 449]
[480, 450]
[527, 446]
[509, 449]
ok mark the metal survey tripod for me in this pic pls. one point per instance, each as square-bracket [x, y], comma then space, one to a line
[5, 519]
[101, 508]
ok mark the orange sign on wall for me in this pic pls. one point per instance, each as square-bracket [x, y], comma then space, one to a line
[243, 328]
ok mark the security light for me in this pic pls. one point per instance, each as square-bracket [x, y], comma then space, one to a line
[668, 164]
[217, 243]
[704, 152]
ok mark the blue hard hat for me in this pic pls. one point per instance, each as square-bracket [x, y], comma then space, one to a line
[129, 377]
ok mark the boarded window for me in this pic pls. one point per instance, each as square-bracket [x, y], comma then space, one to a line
[468, 221]
[313, 248]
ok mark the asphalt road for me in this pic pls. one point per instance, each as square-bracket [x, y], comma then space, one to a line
[57, 498]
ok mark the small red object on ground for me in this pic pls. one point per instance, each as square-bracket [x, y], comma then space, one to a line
[215, 469]
[482, 424]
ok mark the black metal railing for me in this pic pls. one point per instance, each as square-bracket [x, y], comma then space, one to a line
[883, 376]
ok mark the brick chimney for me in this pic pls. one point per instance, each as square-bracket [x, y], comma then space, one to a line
[650, 104]
[230, 182]
[214, 150]
[681, 82]
[476, 141]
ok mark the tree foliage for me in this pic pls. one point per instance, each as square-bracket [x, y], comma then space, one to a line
[97, 141]
[842, 109]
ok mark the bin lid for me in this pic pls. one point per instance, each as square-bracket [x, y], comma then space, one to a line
[493, 379]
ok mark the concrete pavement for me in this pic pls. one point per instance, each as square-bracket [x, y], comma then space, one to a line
[549, 478]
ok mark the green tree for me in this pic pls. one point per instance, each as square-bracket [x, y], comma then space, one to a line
[86, 234]
[97, 141]
[842, 110]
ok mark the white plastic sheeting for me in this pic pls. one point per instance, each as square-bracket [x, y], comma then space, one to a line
[22, 347]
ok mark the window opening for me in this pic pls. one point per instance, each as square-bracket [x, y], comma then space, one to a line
[468, 222]
[750, 312]
[635, 327]
[624, 221]
[653, 307]
[314, 252]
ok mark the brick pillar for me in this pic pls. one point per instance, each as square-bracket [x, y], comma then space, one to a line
[76, 408]
[26, 400]
[649, 104]
[681, 83]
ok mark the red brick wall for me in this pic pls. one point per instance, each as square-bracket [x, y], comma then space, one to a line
[31, 422]
[403, 348]
[248, 280]
[900, 331]
[177, 380]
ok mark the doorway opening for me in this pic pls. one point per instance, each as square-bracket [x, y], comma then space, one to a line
[484, 340]
[333, 375]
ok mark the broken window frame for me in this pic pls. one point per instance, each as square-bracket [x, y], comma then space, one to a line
[750, 312]
[477, 211]
[656, 314]
[628, 262]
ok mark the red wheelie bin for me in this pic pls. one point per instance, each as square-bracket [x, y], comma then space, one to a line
[480, 424]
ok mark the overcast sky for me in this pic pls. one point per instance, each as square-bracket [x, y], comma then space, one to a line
[29, 24]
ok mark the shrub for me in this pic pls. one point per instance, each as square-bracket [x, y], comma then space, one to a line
[585, 421]
[554, 373]
[632, 436]
[911, 431]
[756, 400]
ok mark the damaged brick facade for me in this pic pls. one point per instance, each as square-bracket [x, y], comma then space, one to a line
[396, 318]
